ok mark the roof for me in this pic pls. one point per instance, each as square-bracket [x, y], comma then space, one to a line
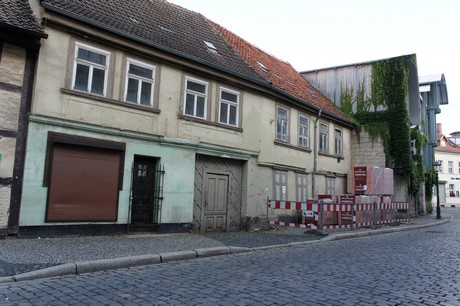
[425, 79]
[450, 146]
[190, 35]
[279, 73]
[159, 24]
[17, 14]
[364, 63]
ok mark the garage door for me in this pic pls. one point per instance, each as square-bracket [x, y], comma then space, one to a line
[84, 184]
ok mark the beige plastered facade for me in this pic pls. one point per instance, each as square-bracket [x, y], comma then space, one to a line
[165, 126]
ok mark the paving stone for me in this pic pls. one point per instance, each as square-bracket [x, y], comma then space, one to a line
[391, 269]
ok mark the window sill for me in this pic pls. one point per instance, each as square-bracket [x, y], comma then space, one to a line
[216, 124]
[339, 157]
[107, 100]
[290, 146]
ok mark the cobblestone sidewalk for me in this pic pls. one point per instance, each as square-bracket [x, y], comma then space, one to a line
[24, 255]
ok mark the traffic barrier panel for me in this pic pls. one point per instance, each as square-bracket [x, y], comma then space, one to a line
[325, 214]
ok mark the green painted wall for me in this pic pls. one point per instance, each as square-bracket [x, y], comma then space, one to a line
[179, 164]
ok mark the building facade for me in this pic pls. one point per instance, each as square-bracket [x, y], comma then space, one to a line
[20, 38]
[353, 88]
[150, 118]
[447, 153]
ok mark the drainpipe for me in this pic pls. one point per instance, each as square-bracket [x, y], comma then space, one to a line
[315, 156]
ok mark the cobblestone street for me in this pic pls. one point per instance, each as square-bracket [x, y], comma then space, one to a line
[418, 267]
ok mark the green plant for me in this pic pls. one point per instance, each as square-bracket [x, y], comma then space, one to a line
[384, 116]
[429, 207]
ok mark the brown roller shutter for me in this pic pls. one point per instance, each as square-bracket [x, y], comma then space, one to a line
[84, 184]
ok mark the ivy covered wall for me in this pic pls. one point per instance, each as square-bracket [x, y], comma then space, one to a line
[382, 112]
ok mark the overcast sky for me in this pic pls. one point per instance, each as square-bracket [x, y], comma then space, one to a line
[318, 34]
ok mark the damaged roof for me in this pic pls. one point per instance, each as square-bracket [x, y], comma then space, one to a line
[190, 35]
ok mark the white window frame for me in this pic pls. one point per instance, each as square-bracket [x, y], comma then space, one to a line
[91, 66]
[450, 167]
[280, 182]
[330, 186]
[229, 105]
[196, 94]
[441, 170]
[302, 187]
[323, 139]
[338, 142]
[140, 79]
[304, 132]
[282, 125]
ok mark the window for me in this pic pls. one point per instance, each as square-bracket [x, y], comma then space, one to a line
[330, 185]
[323, 139]
[281, 124]
[338, 142]
[301, 187]
[195, 98]
[228, 113]
[450, 167]
[281, 185]
[90, 70]
[304, 139]
[140, 78]
[262, 66]
[210, 46]
[440, 166]
[459, 167]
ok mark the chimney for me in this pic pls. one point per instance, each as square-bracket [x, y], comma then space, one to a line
[439, 128]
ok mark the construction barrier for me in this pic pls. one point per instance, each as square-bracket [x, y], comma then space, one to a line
[325, 214]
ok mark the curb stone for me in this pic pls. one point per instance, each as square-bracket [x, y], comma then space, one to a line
[116, 263]
[207, 252]
[176, 256]
[59, 270]
[130, 261]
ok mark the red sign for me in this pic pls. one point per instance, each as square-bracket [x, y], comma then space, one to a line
[360, 175]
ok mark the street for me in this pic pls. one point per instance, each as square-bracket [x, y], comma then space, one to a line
[417, 267]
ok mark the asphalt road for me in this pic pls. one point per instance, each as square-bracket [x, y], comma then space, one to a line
[419, 267]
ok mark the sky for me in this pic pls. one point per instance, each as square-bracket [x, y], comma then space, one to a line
[319, 34]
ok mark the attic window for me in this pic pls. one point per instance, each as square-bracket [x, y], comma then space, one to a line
[262, 66]
[165, 29]
[210, 46]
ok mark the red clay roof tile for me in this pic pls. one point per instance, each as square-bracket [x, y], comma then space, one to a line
[280, 73]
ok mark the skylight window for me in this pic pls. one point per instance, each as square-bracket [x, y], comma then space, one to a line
[210, 46]
[165, 29]
[262, 66]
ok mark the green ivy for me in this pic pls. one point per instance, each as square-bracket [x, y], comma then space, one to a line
[384, 116]
[346, 100]
[430, 178]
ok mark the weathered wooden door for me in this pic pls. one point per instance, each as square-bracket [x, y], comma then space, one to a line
[216, 202]
[227, 177]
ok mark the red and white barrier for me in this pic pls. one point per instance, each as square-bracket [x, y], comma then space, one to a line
[363, 214]
[293, 205]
